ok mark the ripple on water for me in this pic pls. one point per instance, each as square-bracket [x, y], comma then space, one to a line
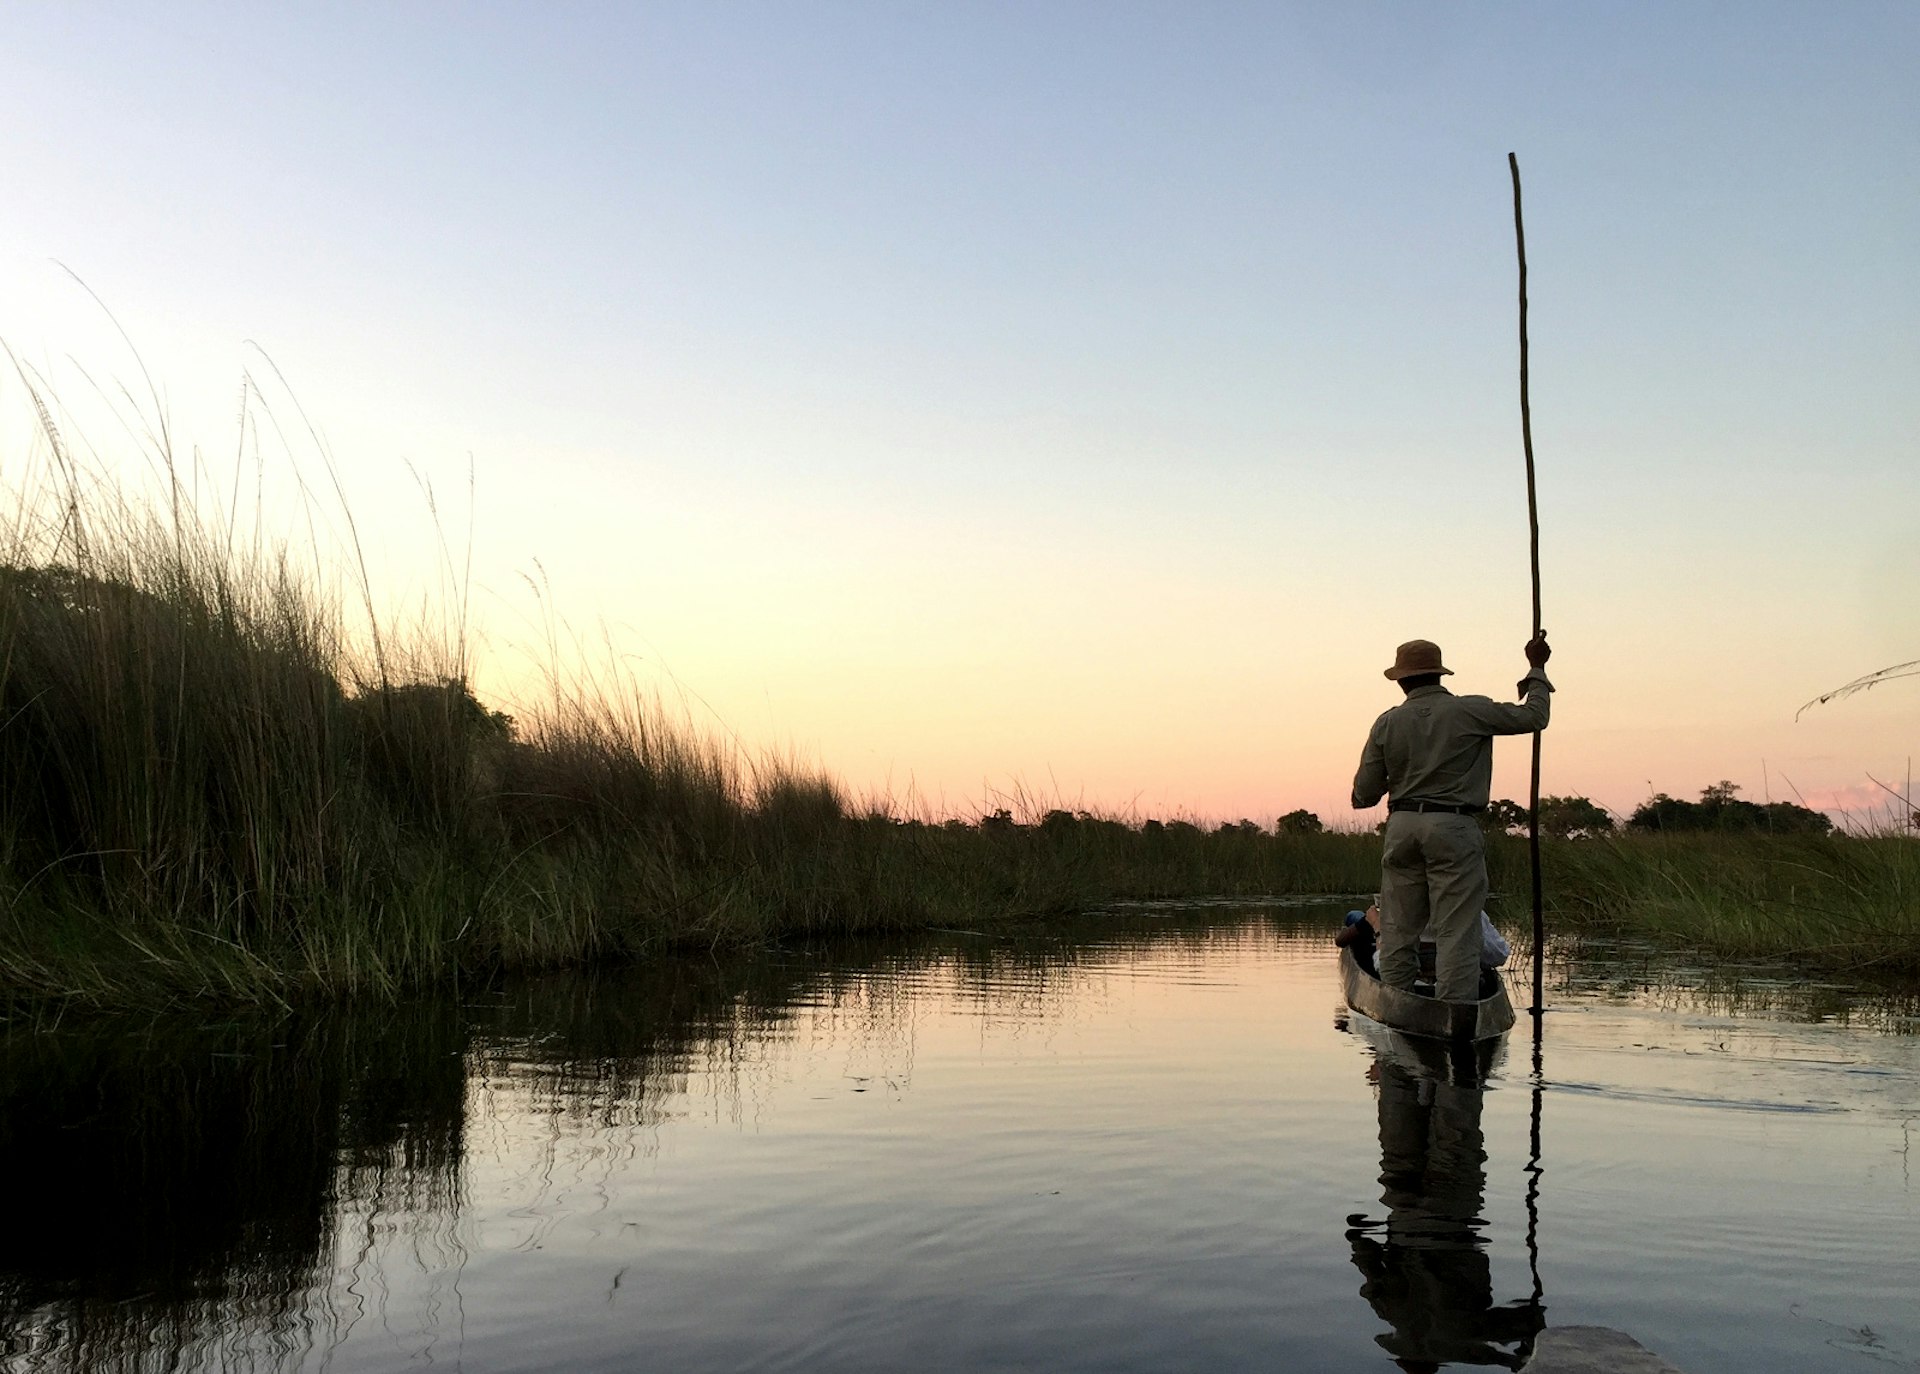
[1131, 1141]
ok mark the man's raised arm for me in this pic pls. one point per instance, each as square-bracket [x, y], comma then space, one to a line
[1536, 704]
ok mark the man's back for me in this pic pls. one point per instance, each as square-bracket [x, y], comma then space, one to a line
[1438, 747]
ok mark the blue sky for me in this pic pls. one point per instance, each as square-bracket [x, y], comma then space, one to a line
[1086, 397]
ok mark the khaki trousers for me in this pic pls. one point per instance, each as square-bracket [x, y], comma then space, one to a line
[1433, 869]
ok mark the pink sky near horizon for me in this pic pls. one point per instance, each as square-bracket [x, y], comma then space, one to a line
[1076, 403]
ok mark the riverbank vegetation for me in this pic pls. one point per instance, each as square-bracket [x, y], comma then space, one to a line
[1821, 902]
[222, 779]
[205, 793]
[214, 787]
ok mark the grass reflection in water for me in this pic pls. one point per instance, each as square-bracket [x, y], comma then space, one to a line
[255, 1194]
[180, 1195]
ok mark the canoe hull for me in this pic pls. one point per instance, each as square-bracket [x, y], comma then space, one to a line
[1411, 1014]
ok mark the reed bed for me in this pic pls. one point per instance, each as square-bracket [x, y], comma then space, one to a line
[1845, 901]
[224, 780]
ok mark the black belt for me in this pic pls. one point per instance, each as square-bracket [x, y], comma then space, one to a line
[1430, 808]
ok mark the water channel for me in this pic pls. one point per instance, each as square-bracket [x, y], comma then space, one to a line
[1147, 1139]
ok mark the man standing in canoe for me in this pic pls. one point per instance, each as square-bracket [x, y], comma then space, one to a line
[1432, 757]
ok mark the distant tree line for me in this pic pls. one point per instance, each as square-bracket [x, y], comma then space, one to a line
[1720, 810]
[1564, 818]
[1060, 821]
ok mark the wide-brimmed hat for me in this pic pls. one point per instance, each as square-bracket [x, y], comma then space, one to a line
[1415, 657]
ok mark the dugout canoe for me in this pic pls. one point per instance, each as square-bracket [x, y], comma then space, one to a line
[1412, 1014]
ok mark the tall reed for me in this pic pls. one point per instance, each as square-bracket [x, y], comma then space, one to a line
[224, 778]
[1841, 901]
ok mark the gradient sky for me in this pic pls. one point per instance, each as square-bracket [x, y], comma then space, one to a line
[1081, 399]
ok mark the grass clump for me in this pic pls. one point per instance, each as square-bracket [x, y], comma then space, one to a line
[211, 790]
[1823, 901]
[223, 779]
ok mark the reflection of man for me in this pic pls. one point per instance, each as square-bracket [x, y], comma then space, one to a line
[1432, 756]
[1430, 1277]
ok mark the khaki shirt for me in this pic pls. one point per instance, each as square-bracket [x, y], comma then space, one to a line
[1437, 747]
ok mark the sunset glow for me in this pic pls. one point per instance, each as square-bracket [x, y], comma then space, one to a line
[1073, 404]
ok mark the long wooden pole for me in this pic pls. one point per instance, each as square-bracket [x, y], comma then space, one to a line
[1533, 548]
[1534, 1168]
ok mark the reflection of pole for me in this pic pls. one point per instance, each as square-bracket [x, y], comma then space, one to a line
[1533, 1167]
[1533, 532]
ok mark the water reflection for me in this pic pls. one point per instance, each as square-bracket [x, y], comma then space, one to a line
[175, 1194]
[1424, 1267]
[1106, 1144]
[178, 1197]
[243, 1194]
[1634, 971]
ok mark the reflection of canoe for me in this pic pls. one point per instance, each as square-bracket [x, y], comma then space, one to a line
[1461, 1063]
[1416, 1015]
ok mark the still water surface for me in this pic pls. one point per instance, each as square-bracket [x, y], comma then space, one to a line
[1147, 1140]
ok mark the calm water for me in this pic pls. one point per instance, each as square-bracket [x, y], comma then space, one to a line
[1145, 1141]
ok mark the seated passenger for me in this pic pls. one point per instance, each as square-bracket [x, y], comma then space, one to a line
[1362, 931]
